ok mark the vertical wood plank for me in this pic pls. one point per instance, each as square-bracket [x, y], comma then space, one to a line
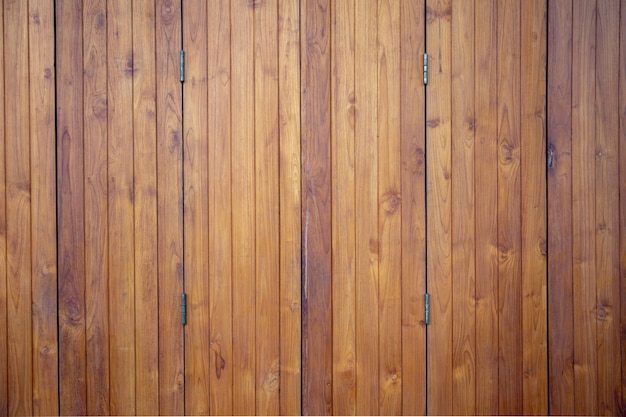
[412, 119]
[583, 206]
[290, 207]
[145, 188]
[121, 210]
[509, 211]
[196, 211]
[96, 205]
[4, 366]
[463, 215]
[607, 206]
[71, 215]
[486, 194]
[622, 203]
[219, 124]
[533, 146]
[243, 208]
[560, 269]
[366, 210]
[266, 136]
[18, 183]
[343, 214]
[438, 114]
[389, 211]
[316, 187]
[43, 204]
[169, 207]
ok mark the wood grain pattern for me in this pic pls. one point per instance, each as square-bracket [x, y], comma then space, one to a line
[169, 206]
[622, 202]
[486, 194]
[533, 222]
[243, 208]
[463, 215]
[343, 214]
[366, 210]
[560, 268]
[316, 189]
[412, 122]
[70, 217]
[18, 211]
[607, 206]
[267, 206]
[583, 207]
[4, 366]
[438, 194]
[290, 207]
[43, 208]
[221, 395]
[95, 165]
[145, 209]
[196, 160]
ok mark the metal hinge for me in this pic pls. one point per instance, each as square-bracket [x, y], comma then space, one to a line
[182, 66]
[183, 307]
[426, 309]
[425, 68]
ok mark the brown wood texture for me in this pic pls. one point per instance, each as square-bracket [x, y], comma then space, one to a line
[4, 377]
[621, 400]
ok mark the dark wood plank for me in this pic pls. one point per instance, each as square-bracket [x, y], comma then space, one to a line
[533, 186]
[43, 208]
[607, 206]
[622, 178]
[389, 212]
[120, 208]
[583, 206]
[221, 394]
[267, 206]
[96, 205]
[509, 211]
[439, 206]
[316, 188]
[463, 215]
[343, 215]
[366, 210]
[18, 210]
[145, 187]
[486, 194]
[243, 208]
[412, 119]
[169, 207]
[290, 207]
[560, 269]
[4, 375]
[196, 160]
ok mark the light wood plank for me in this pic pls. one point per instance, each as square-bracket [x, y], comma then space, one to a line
[463, 216]
[4, 366]
[70, 206]
[197, 256]
[290, 207]
[145, 187]
[534, 227]
[509, 211]
[18, 206]
[220, 284]
[560, 269]
[438, 114]
[96, 205]
[267, 206]
[486, 194]
[343, 214]
[389, 212]
[316, 188]
[169, 207]
[43, 208]
[243, 208]
[412, 121]
[583, 207]
[366, 210]
[607, 206]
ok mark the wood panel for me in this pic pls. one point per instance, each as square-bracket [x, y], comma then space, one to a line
[621, 400]
[4, 366]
